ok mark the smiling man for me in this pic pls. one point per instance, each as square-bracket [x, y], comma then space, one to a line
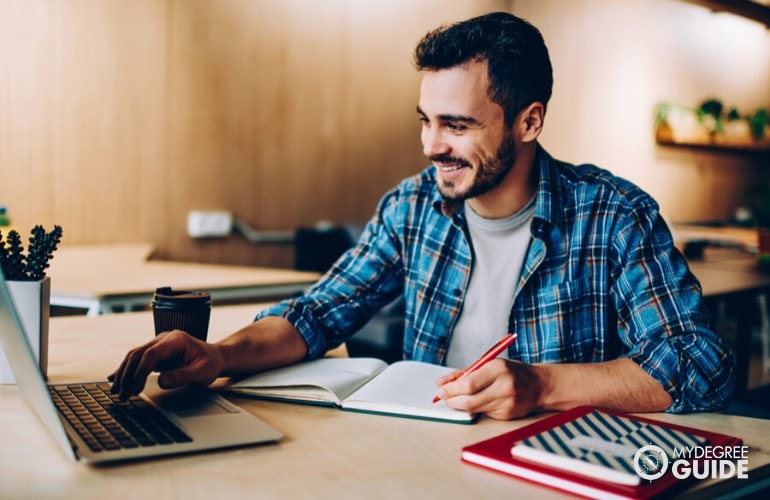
[496, 236]
[467, 140]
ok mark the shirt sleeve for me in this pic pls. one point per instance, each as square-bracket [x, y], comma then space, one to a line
[663, 317]
[360, 283]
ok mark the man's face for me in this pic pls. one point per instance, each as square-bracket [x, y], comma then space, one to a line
[463, 131]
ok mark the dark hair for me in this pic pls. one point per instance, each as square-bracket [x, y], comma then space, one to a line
[519, 68]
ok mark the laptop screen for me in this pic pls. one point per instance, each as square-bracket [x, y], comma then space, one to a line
[26, 369]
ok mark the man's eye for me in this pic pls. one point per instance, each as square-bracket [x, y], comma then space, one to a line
[454, 127]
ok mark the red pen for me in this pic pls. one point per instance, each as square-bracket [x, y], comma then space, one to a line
[485, 358]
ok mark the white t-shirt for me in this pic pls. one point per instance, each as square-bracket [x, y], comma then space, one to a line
[499, 247]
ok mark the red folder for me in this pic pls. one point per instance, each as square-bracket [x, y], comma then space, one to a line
[495, 454]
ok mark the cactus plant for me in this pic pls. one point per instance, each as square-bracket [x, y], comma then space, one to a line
[16, 265]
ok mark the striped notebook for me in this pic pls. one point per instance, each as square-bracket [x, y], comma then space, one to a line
[603, 445]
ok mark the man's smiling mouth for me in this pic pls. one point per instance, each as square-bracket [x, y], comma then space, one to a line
[449, 164]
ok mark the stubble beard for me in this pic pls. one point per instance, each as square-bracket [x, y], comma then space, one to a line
[488, 175]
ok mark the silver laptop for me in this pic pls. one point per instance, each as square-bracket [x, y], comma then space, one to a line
[190, 419]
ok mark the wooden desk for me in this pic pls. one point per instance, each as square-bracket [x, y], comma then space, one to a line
[726, 235]
[326, 453]
[118, 278]
[731, 278]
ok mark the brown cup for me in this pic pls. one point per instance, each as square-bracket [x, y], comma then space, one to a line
[181, 310]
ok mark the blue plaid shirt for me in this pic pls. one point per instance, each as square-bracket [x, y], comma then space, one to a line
[601, 280]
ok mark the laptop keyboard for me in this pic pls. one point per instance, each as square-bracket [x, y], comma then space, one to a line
[106, 423]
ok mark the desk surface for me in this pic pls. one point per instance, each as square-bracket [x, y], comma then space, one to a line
[105, 275]
[745, 237]
[730, 277]
[326, 453]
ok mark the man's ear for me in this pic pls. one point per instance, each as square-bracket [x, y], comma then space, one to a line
[530, 122]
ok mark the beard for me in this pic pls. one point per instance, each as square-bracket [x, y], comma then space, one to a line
[489, 175]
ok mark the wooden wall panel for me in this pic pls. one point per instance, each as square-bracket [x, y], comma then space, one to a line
[288, 113]
[82, 128]
[117, 118]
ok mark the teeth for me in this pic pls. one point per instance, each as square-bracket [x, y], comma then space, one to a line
[450, 169]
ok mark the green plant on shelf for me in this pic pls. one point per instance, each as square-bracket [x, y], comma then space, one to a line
[18, 266]
[757, 122]
[711, 123]
[710, 115]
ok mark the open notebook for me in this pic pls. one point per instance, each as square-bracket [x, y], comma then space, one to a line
[405, 388]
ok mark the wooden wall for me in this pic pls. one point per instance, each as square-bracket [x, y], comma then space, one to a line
[119, 117]
[614, 61]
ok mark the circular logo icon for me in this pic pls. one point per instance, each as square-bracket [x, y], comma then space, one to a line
[650, 462]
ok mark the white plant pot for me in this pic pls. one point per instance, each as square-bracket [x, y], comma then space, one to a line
[32, 300]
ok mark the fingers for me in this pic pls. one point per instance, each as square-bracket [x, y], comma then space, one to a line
[453, 384]
[128, 380]
[191, 372]
[162, 353]
[449, 377]
[499, 389]
[123, 378]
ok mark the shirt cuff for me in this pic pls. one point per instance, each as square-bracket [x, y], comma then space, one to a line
[299, 316]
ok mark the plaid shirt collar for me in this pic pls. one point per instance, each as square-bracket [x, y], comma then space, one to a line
[549, 208]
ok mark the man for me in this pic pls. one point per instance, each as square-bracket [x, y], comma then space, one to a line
[495, 237]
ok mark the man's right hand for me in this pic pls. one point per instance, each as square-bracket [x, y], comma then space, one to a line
[180, 358]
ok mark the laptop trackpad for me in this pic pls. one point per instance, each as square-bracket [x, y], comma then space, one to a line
[190, 401]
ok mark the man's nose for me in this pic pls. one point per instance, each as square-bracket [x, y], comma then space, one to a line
[433, 142]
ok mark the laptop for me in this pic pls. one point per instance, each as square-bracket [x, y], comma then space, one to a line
[102, 429]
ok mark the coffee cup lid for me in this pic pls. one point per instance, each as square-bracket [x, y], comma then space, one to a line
[167, 298]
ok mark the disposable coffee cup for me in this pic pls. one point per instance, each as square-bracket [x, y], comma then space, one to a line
[188, 311]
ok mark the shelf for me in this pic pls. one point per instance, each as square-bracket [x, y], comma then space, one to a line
[727, 148]
[745, 8]
[716, 145]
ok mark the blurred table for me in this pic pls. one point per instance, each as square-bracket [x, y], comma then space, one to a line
[118, 278]
[720, 234]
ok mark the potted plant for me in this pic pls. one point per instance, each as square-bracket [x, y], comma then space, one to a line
[29, 287]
